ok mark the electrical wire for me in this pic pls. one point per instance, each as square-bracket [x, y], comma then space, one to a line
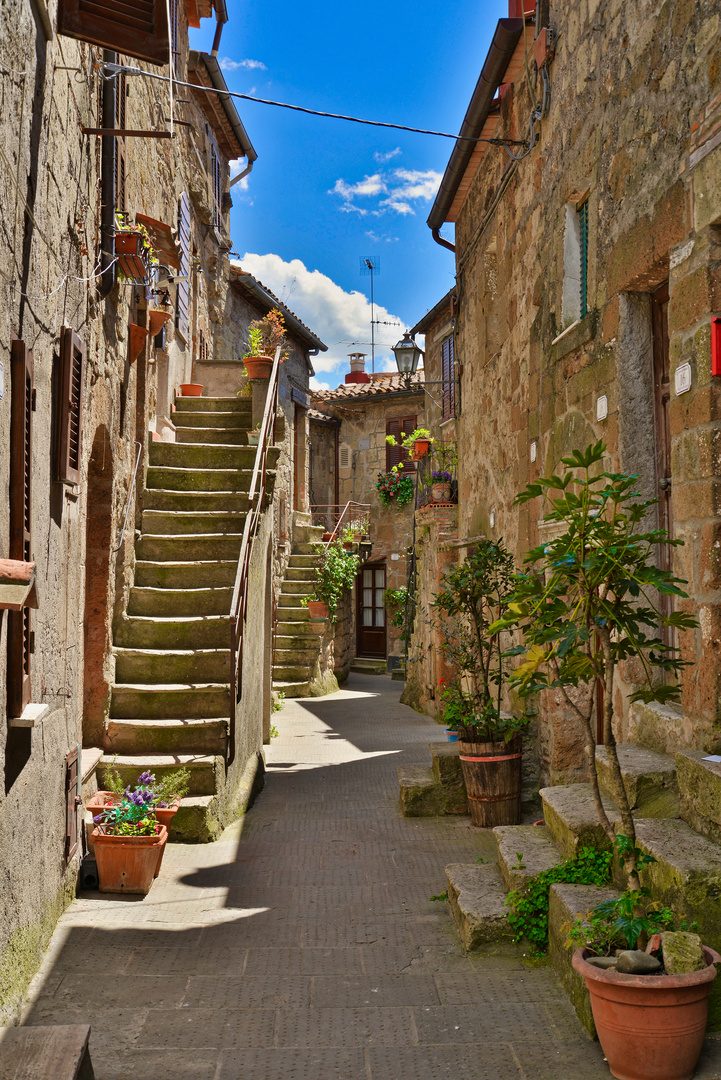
[117, 68]
[71, 277]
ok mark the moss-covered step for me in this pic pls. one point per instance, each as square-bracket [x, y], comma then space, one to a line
[188, 632]
[296, 588]
[201, 548]
[202, 768]
[570, 816]
[224, 436]
[287, 633]
[305, 554]
[240, 418]
[294, 672]
[699, 784]
[649, 779]
[447, 772]
[186, 575]
[179, 455]
[477, 899]
[199, 502]
[171, 478]
[170, 700]
[195, 522]
[196, 821]
[212, 404]
[301, 651]
[565, 902]
[536, 849]
[420, 795]
[173, 602]
[172, 665]
[143, 736]
[300, 573]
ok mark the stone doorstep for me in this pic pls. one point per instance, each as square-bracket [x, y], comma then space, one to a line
[535, 845]
[446, 764]
[422, 796]
[570, 816]
[699, 784]
[130, 766]
[477, 899]
[649, 779]
[59, 1052]
[132, 735]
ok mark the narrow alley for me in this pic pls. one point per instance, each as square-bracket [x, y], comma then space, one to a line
[303, 945]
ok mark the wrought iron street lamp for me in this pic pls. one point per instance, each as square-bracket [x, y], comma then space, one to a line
[407, 355]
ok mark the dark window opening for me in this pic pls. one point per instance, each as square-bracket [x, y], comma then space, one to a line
[583, 233]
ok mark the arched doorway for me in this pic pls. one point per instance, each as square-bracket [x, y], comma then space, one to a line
[97, 629]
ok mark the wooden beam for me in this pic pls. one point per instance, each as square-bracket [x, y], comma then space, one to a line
[124, 132]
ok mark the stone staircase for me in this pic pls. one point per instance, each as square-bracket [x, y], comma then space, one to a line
[301, 667]
[170, 699]
[677, 807]
[426, 791]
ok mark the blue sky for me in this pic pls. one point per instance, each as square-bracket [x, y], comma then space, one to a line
[324, 192]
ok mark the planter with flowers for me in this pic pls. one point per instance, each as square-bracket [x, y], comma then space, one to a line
[133, 249]
[129, 841]
[441, 486]
[417, 443]
[264, 337]
[395, 489]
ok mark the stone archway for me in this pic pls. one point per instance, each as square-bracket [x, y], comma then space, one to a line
[98, 611]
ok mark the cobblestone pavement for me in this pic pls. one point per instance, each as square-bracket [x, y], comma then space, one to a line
[303, 944]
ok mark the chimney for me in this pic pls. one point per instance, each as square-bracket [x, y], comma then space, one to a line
[357, 373]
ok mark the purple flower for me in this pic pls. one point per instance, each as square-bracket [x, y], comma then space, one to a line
[146, 778]
[98, 819]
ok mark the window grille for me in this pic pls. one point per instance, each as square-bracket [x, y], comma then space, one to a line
[217, 187]
[20, 642]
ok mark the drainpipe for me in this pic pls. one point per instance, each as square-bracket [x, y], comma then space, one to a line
[436, 234]
[245, 172]
[221, 15]
[107, 179]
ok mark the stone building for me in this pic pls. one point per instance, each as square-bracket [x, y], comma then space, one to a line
[120, 494]
[348, 427]
[587, 289]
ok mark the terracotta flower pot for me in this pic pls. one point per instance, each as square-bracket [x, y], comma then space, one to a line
[326, 537]
[191, 389]
[165, 814]
[492, 775]
[420, 448]
[258, 367]
[317, 610]
[441, 492]
[651, 1027]
[157, 319]
[132, 254]
[128, 864]
[99, 801]
[136, 341]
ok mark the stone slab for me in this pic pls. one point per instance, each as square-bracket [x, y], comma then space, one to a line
[649, 779]
[533, 843]
[420, 795]
[477, 899]
[570, 815]
[699, 784]
[45, 1053]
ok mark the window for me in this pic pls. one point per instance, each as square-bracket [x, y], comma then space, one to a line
[575, 262]
[175, 35]
[217, 188]
[139, 29]
[70, 407]
[448, 378]
[183, 300]
[72, 799]
[395, 454]
[203, 351]
[20, 642]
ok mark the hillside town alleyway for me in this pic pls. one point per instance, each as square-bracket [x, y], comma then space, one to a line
[303, 944]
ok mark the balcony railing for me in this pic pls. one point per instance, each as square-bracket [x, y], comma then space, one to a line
[333, 519]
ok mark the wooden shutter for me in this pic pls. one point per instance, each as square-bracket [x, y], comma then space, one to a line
[182, 306]
[121, 95]
[448, 379]
[71, 804]
[70, 419]
[395, 454]
[136, 27]
[21, 421]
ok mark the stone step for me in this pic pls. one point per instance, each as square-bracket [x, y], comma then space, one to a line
[169, 700]
[154, 547]
[649, 779]
[189, 480]
[241, 418]
[296, 588]
[195, 502]
[291, 602]
[304, 555]
[446, 764]
[190, 632]
[186, 575]
[307, 534]
[202, 768]
[699, 784]
[301, 627]
[420, 795]
[368, 666]
[174, 602]
[144, 736]
[300, 573]
[196, 821]
[477, 899]
[293, 672]
[299, 688]
[212, 404]
[212, 435]
[204, 456]
[533, 843]
[303, 652]
[172, 665]
[570, 816]
[191, 523]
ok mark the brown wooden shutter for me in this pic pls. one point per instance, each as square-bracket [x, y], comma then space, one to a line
[136, 27]
[408, 426]
[183, 304]
[448, 379]
[21, 421]
[72, 374]
[71, 804]
[396, 454]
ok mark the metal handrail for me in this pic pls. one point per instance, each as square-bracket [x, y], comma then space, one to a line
[256, 498]
[349, 507]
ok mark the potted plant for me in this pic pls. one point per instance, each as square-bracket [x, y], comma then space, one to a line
[133, 249]
[157, 318]
[163, 796]
[590, 600]
[191, 389]
[264, 337]
[254, 435]
[136, 341]
[395, 489]
[441, 486]
[128, 842]
[417, 443]
[335, 572]
[474, 595]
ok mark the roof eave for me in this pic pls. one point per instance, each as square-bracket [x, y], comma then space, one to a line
[218, 80]
[431, 316]
[252, 287]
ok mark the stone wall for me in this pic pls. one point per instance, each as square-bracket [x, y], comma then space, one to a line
[633, 113]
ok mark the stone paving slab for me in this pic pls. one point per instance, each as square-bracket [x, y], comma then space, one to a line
[303, 945]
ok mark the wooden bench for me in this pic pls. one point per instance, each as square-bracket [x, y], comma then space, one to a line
[45, 1053]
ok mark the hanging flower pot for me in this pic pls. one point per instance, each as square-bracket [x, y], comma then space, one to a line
[136, 341]
[157, 319]
[133, 255]
[128, 864]
[191, 389]
[421, 448]
[258, 367]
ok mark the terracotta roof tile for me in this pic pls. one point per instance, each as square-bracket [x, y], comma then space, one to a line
[389, 383]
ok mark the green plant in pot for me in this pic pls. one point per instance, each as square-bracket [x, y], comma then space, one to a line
[474, 596]
[589, 601]
[335, 573]
[417, 442]
[264, 337]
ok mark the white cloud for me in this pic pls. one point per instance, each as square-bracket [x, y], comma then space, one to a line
[401, 187]
[227, 64]
[382, 158]
[381, 238]
[336, 316]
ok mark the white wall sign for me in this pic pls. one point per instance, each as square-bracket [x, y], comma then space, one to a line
[493, 518]
[2, 380]
[534, 450]
[602, 407]
[682, 379]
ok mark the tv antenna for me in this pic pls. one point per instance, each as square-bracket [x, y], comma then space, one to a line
[370, 265]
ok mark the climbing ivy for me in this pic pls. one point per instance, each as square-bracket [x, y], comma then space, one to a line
[529, 905]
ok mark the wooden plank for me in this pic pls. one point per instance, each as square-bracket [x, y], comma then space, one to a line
[45, 1053]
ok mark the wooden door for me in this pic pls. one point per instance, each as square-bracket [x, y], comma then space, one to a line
[371, 612]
